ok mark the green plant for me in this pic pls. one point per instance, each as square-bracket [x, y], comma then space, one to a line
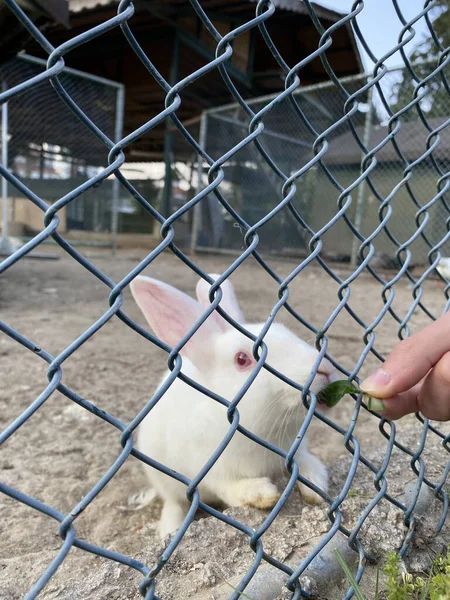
[401, 585]
[241, 594]
[352, 581]
[439, 585]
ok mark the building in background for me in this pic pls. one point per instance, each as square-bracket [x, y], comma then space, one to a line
[48, 144]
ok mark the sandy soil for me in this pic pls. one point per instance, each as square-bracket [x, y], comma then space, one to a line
[62, 451]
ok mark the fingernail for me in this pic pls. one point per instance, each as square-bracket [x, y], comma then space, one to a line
[376, 382]
[375, 404]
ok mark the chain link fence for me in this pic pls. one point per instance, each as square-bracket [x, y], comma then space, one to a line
[273, 197]
[45, 147]
[252, 186]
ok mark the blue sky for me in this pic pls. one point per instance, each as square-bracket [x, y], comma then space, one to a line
[380, 25]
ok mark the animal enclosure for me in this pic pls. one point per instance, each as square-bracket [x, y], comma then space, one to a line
[289, 140]
[43, 145]
[79, 365]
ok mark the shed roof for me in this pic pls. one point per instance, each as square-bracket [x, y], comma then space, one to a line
[411, 139]
[157, 25]
[296, 6]
[13, 35]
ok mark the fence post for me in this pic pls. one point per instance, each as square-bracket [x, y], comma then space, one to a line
[5, 243]
[118, 133]
[169, 135]
[361, 200]
[197, 217]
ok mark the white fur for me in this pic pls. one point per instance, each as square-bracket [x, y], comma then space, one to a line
[185, 427]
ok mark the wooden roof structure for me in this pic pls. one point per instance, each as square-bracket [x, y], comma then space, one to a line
[13, 36]
[178, 44]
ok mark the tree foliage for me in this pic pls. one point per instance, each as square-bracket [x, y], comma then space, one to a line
[425, 59]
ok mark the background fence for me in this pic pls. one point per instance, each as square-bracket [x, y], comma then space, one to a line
[252, 187]
[46, 148]
[297, 182]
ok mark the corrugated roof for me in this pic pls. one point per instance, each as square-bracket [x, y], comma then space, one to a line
[76, 6]
[321, 11]
[297, 6]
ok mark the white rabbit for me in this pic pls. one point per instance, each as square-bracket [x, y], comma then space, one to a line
[185, 427]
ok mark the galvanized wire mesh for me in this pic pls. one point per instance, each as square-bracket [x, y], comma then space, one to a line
[252, 186]
[48, 150]
[289, 174]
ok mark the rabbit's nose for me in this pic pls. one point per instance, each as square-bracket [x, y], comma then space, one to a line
[327, 369]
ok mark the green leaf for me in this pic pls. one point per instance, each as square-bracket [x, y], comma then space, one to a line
[425, 590]
[234, 588]
[333, 393]
[352, 581]
[337, 390]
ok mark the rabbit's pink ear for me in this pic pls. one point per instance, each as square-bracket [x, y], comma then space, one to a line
[171, 313]
[228, 303]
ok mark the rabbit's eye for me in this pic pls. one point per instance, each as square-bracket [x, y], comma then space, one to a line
[242, 360]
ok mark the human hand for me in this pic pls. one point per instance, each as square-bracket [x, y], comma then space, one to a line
[416, 375]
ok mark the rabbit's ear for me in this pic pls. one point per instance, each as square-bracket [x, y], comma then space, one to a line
[228, 303]
[171, 313]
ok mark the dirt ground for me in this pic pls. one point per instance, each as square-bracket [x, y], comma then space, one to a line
[62, 450]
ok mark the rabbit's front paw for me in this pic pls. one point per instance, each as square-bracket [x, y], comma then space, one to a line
[259, 492]
[172, 516]
[312, 469]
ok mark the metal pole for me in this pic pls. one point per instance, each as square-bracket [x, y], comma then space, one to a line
[197, 218]
[168, 155]
[361, 200]
[5, 244]
[68, 71]
[169, 135]
[120, 109]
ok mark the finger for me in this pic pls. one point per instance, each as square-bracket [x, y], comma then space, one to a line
[410, 360]
[434, 394]
[431, 396]
[402, 404]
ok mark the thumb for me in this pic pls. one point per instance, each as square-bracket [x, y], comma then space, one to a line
[410, 360]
